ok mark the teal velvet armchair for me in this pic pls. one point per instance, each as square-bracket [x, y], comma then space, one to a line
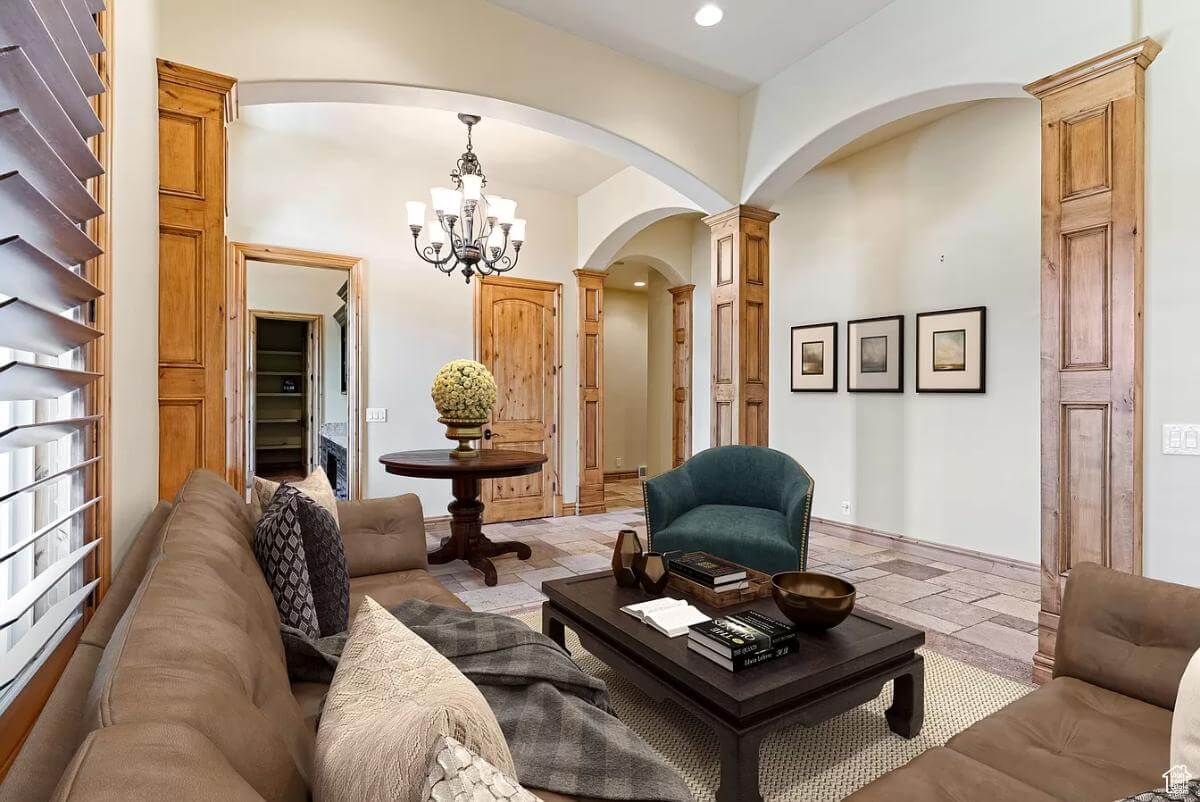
[747, 504]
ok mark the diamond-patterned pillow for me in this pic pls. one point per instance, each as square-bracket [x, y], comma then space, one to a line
[279, 549]
[326, 559]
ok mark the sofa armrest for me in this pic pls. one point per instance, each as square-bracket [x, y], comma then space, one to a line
[1129, 634]
[667, 496]
[383, 535]
[797, 509]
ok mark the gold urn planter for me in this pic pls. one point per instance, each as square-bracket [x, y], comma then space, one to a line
[464, 393]
[464, 431]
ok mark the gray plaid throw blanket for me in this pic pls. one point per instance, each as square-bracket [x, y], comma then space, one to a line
[557, 720]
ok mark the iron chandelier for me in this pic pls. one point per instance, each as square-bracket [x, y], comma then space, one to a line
[477, 228]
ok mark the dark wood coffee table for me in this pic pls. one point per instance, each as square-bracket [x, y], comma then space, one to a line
[829, 674]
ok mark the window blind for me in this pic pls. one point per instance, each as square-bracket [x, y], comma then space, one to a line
[49, 85]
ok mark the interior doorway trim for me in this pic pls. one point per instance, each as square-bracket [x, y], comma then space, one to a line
[681, 373]
[238, 336]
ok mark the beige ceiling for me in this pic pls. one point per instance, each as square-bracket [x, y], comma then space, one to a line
[510, 153]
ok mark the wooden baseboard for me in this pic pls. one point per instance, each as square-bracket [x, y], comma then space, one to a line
[965, 558]
[617, 476]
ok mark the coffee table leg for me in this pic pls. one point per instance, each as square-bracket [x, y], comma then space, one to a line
[552, 627]
[907, 713]
[739, 767]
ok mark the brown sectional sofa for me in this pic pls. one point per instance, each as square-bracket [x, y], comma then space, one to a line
[1099, 731]
[178, 689]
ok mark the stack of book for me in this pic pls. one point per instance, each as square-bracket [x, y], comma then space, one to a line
[712, 572]
[742, 640]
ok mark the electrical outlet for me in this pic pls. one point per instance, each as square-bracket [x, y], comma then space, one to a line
[620, 462]
[376, 414]
[845, 508]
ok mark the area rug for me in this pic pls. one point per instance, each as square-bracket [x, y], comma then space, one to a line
[818, 764]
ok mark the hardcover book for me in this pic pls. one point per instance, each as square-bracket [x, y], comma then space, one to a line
[741, 661]
[707, 570]
[743, 633]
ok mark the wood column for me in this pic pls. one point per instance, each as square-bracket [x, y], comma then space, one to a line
[740, 324]
[681, 374]
[192, 112]
[591, 392]
[1092, 298]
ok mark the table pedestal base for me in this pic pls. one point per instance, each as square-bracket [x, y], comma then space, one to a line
[467, 541]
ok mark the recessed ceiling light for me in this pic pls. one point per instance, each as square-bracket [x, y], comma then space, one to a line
[639, 284]
[708, 15]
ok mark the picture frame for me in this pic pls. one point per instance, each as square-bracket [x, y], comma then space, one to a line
[815, 358]
[952, 350]
[875, 355]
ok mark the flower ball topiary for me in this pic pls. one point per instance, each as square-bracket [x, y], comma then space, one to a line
[464, 390]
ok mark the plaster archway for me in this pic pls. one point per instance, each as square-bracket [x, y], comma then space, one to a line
[669, 272]
[811, 153]
[692, 188]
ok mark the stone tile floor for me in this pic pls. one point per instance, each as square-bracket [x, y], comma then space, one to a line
[986, 618]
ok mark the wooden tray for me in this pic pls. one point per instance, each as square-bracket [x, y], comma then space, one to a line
[760, 588]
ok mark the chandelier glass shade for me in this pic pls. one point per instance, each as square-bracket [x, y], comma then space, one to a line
[472, 232]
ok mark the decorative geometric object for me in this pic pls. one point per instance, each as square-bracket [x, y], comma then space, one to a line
[652, 572]
[456, 772]
[952, 351]
[814, 358]
[392, 698]
[464, 393]
[875, 355]
[625, 554]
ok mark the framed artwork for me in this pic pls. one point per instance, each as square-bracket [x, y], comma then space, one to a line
[814, 358]
[952, 351]
[875, 355]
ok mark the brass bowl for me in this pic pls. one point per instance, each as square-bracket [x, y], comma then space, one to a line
[812, 601]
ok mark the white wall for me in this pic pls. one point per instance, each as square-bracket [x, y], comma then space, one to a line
[134, 331]
[290, 191]
[309, 291]
[1172, 370]
[943, 217]
[625, 355]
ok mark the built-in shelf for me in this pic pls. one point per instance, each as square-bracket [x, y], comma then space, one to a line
[24, 150]
[20, 381]
[280, 395]
[62, 30]
[279, 447]
[89, 34]
[279, 373]
[280, 420]
[22, 26]
[33, 276]
[26, 327]
[25, 212]
[36, 434]
[22, 88]
[282, 353]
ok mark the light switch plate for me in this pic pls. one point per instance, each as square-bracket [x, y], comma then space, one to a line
[376, 414]
[1181, 438]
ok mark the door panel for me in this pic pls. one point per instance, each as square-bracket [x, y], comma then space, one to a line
[519, 343]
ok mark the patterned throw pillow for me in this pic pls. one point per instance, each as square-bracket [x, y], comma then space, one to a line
[391, 698]
[279, 549]
[326, 558]
[456, 772]
[316, 486]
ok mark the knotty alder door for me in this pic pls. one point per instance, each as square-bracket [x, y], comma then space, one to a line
[191, 273]
[518, 340]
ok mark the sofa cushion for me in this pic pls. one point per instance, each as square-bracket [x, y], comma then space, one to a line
[160, 760]
[943, 775]
[393, 588]
[751, 536]
[200, 647]
[1185, 724]
[1074, 741]
[383, 534]
[316, 486]
[144, 550]
[279, 549]
[391, 697]
[1126, 633]
[326, 558]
